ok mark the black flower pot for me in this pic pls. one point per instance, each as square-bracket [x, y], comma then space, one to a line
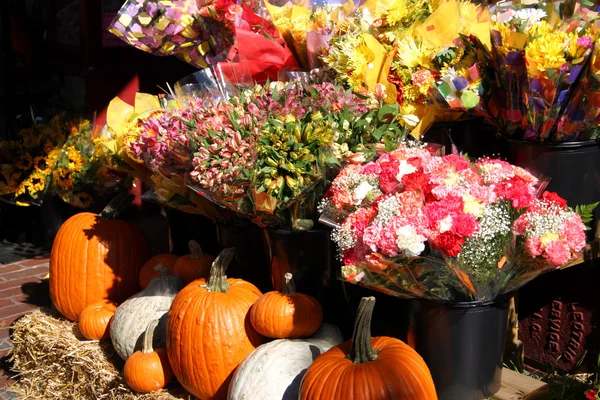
[573, 166]
[310, 257]
[462, 344]
[250, 262]
[472, 135]
[184, 227]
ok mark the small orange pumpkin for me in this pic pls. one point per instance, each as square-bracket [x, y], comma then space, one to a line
[286, 315]
[148, 370]
[381, 368]
[149, 271]
[194, 265]
[208, 331]
[94, 320]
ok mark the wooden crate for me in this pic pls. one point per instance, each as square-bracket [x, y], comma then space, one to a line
[517, 386]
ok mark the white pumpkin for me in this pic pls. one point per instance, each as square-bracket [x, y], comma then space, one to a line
[274, 370]
[133, 316]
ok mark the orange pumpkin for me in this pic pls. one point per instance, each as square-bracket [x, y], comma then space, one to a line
[94, 320]
[95, 258]
[209, 332]
[194, 265]
[148, 370]
[286, 315]
[381, 368]
[149, 271]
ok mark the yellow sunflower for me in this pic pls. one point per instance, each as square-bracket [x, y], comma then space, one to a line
[75, 159]
[64, 178]
[41, 164]
[25, 162]
[83, 200]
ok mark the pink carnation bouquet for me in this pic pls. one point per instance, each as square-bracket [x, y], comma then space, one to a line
[416, 224]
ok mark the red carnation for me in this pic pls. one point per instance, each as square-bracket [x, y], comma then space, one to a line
[464, 225]
[458, 162]
[553, 197]
[387, 179]
[450, 243]
[517, 191]
[418, 182]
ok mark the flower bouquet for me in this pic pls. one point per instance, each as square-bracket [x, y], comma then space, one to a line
[424, 54]
[417, 225]
[80, 177]
[26, 166]
[543, 82]
[205, 34]
[262, 154]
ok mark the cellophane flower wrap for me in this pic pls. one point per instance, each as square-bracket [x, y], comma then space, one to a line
[542, 84]
[262, 154]
[80, 176]
[423, 52]
[417, 225]
[26, 163]
[307, 28]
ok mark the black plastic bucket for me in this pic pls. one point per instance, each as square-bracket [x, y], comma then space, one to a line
[472, 135]
[310, 257]
[573, 166]
[462, 344]
[184, 227]
[251, 262]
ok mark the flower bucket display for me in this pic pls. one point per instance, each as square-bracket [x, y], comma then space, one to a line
[573, 166]
[310, 257]
[472, 136]
[250, 261]
[462, 344]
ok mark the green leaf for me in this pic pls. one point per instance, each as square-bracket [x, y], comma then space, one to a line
[586, 212]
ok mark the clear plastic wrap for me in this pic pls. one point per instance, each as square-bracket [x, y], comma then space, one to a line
[416, 225]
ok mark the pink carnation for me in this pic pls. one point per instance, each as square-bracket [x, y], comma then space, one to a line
[458, 162]
[533, 246]
[557, 252]
[465, 225]
[573, 233]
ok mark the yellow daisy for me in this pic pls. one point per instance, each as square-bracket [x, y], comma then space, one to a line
[64, 178]
[41, 164]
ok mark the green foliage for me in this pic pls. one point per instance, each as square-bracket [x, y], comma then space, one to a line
[586, 212]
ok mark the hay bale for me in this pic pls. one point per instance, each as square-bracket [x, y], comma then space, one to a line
[53, 361]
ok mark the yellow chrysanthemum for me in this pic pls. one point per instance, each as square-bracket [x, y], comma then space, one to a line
[411, 54]
[545, 52]
[75, 159]
[25, 162]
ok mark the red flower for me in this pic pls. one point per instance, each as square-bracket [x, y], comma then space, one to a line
[387, 179]
[417, 182]
[591, 394]
[459, 162]
[464, 225]
[450, 243]
[553, 197]
[516, 190]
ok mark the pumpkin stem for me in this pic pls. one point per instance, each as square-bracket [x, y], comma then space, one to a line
[290, 285]
[195, 249]
[162, 269]
[362, 350]
[117, 205]
[217, 281]
[149, 337]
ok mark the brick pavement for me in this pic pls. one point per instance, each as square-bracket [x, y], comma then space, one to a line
[22, 289]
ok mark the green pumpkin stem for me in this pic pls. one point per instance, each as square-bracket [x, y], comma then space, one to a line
[362, 350]
[149, 337]
[290, 285]
[117, 206]
[217, 281]
[195, 249]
